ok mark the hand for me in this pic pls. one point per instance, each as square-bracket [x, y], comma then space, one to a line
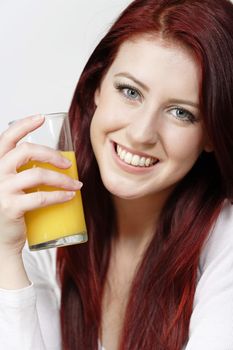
[14, 202]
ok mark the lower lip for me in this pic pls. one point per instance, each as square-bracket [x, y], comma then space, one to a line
[130, 168]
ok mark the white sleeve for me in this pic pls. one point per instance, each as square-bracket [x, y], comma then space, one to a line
[211, 324]
[29, 317]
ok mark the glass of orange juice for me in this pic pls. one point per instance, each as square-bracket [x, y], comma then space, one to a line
[64, 223]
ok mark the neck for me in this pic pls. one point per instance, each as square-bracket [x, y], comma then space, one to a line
[136, 221]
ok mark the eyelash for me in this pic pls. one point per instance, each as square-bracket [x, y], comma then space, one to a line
[190, 117]
[122, 86]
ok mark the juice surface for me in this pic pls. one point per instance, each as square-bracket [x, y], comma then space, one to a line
[59, 220]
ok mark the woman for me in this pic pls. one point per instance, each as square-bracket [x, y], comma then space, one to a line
[152, 124]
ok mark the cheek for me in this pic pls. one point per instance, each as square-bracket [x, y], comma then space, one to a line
[100, 125]
[98, 121]
[94, 127]
[108, 117]
[184, 144]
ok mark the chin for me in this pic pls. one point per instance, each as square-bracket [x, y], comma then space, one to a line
[121, 192]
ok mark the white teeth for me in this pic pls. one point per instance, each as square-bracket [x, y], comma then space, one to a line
[128, 157]
[122, 155]
[142, 161]
[134, 159]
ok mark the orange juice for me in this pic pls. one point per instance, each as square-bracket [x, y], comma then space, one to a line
[57, 221]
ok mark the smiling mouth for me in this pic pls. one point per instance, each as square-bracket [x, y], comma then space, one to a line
[134, 159]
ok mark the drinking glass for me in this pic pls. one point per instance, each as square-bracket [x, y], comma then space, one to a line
[59, 224]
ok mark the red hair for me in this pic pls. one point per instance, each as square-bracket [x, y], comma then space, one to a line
[161, 298]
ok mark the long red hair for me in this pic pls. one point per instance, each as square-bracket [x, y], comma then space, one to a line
[161, 298]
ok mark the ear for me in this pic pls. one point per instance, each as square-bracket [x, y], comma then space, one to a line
[208, 146]
[96, 96]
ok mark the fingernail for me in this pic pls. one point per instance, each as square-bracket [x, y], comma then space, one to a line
[79, 183]
[37, 117]
[66, 161]
[70, 194]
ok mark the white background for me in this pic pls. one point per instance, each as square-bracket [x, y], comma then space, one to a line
[44, 45]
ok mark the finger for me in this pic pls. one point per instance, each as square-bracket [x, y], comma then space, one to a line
[16, 206]
[35, 200]
[35, 177]
[25, 152]
[17, 130]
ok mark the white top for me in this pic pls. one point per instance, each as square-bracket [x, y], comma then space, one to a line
[29, 318]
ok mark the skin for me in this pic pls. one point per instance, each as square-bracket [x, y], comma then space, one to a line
[145, 120]
[14, 202]
[148, 104]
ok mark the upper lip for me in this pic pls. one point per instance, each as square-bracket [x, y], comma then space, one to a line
[133, 151]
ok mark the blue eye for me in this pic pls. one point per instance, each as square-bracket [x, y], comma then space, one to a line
[129, 92]
[183, 115]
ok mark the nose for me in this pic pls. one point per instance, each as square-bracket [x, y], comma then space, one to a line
[143, 128]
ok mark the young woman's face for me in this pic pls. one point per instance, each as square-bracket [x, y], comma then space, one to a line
[146, 131]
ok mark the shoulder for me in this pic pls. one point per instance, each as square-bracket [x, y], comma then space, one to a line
[220, 239]
[212, 316]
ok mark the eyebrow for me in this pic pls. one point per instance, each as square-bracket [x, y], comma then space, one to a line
[146, 88]
[131, 77]
[185, 102]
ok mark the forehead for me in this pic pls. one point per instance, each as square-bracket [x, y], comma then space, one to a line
[153, 49]
[155, 61]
